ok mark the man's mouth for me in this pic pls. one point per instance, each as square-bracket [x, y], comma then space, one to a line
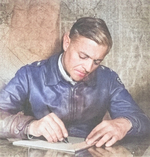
[81, 74]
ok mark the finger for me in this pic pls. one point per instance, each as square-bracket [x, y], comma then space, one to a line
[96, 136]
[46, 134]
[52, 133]
[55, 129]
[113, 140]
[61, 125]
[97, 128]
[94, 139]
[94, 131]
[104, 139]
[46, 129]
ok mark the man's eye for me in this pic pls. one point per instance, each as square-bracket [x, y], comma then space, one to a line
[83, 56]
[97, 62]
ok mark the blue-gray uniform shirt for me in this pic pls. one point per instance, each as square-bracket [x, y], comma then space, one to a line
[40, 88]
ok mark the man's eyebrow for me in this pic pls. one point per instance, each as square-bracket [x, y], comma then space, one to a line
[84, 53]
[90, 57]
[98, 60]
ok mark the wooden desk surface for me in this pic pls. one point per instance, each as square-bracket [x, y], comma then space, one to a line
[129, 147]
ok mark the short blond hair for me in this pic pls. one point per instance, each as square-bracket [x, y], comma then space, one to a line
[94, 29]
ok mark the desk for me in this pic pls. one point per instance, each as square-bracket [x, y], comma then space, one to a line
[129, 147]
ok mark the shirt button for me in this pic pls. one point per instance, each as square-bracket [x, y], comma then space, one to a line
[16, 131]
[38, 63]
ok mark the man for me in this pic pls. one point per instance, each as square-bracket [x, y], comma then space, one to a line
[69, 94]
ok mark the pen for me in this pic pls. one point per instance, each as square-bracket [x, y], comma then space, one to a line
[65, 140]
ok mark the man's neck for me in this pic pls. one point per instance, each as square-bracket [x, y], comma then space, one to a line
[63, 72]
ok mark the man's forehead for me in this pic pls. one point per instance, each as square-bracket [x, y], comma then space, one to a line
[89, 47]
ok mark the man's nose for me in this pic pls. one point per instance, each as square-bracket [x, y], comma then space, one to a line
[88, 65]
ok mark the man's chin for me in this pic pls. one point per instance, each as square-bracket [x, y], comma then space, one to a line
[78, 79]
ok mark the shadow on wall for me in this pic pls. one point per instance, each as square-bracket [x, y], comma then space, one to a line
[29, 32]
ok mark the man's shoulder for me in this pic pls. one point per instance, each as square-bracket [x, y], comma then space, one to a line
[109, 74]
[44, 62]
[37, 63]
[105, 69]
[106, 72]
[37, 67]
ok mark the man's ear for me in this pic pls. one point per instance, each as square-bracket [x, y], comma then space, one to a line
[66, 41]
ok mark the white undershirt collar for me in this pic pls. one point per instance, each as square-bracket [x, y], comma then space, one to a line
[63, 72]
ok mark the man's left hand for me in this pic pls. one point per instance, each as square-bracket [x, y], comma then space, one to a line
[109, 132]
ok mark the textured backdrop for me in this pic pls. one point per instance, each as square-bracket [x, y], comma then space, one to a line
[30, 30]
[129, 24]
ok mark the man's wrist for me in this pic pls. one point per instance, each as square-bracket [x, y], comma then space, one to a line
[27, 132]
[127, 120]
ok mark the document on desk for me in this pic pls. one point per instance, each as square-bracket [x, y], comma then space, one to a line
[75, 144]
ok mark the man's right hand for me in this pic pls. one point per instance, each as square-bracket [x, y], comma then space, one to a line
[50, 126]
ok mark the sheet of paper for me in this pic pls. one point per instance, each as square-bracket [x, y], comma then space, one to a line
[75, 144]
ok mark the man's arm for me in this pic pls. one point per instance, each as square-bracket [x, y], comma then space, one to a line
[14, 126]
[13, 103]
[50, 126]
[13, 122]
[109, 131]
[21, 126]
[133, 123]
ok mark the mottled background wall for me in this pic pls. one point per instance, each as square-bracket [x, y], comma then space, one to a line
[30, 30]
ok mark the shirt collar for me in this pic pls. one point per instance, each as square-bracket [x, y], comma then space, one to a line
[53, 74]
[63, 72]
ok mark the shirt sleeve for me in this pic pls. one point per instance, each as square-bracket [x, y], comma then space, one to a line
[123, 105]
[13, 96]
